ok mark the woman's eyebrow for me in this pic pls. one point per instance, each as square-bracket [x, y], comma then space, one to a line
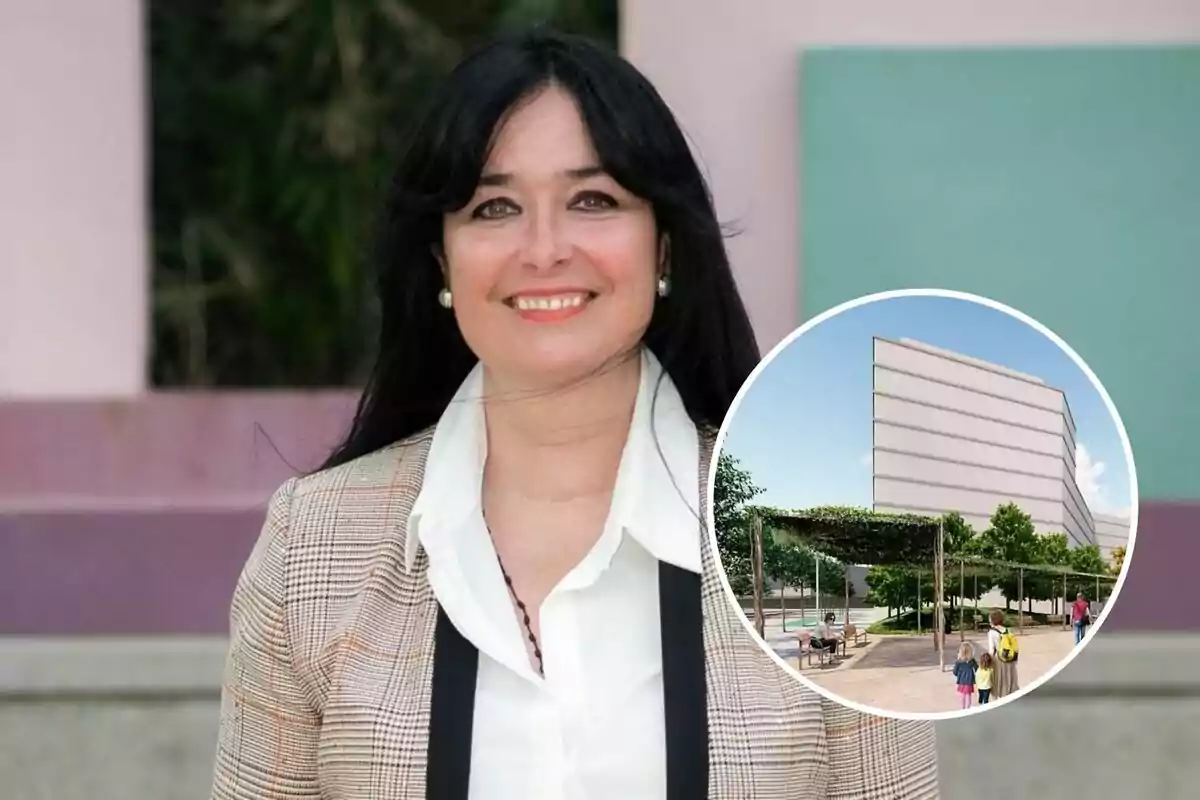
[506, 178]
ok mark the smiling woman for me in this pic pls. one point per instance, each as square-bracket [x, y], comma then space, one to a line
[500, 585]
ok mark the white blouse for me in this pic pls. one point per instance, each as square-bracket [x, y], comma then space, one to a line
[594, 726]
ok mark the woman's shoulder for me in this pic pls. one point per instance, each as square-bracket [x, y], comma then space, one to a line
[380, 468]
[363, 497]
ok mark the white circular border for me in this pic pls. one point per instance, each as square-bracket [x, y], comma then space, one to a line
[1134, 500]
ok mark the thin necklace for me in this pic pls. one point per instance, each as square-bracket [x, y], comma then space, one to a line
[537, 650]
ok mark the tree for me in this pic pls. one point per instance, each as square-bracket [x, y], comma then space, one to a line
[788, 564]
[1118, 559]
[1010, 537]
[732, 490]
[1088, 560]
[274, 127]
[833, 577]
[1052, 550]
[958, 534]
[960, 541]
[892, 587]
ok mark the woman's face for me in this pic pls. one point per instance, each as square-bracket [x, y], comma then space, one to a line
[553, 266]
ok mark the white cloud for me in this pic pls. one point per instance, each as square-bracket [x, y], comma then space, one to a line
[1087, 478]
[867, 459]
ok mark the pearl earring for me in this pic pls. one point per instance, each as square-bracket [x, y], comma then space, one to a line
[445, 299]
[664, 287]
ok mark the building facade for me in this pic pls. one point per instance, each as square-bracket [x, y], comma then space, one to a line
[953, 433]
[1111, 533]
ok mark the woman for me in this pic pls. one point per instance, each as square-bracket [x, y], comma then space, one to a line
[829, 637]
[1081, 616]
[500, 585]
[1004, 678]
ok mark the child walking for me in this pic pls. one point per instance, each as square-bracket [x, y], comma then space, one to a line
[983, 678]
[965, 669]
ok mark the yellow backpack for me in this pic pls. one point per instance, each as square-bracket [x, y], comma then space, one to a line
[1008, 651]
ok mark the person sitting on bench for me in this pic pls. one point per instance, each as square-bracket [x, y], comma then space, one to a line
[828, 638]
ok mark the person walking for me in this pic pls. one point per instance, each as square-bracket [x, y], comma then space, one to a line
[1081, 616]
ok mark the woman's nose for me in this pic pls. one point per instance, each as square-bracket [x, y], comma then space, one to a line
[547, 241]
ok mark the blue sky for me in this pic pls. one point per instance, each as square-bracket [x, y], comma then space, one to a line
[803, 429]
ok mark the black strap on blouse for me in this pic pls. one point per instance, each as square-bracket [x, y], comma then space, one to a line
[456, 670]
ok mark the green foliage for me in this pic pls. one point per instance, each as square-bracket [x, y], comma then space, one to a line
[961, 540]
[733, 488]
[1117, 560]
[789, 563]
[1088, 559]
[958, 536]
[907, 622]
[274, 130]
[1011, 537]
[857, 535]
[1052, 550]
[894, 587]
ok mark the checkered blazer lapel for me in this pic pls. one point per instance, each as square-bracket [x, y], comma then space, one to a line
[330, 682]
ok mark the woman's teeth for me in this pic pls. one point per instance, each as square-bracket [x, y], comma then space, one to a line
[548, 303]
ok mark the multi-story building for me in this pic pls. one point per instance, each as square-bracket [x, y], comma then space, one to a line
[1111, 532]
[953, 433]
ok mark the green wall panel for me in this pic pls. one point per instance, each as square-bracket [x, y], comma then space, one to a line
[1063, 182]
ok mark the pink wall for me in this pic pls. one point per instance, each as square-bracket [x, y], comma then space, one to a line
[73, 305]
[730, 72]
[135, 517]
[163, 450]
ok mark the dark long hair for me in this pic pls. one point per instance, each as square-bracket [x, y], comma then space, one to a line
[700, 332]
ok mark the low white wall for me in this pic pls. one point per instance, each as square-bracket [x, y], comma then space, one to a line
[137, 719]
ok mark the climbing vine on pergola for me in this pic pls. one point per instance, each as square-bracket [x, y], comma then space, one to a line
[857, 536]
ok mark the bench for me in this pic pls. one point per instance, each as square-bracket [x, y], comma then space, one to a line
[853, 634]
[810, 649]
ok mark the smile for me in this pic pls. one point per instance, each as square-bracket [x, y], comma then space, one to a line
[550, 307]
[556, 303]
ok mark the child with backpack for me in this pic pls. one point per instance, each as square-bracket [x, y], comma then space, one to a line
[964, 673]
[1004, 649]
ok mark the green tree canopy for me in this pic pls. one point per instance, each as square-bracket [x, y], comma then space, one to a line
[790, 563]
[959, 536]
[733, 489]
[894, 587]
[1010, 537]
[1117, 559]
[1088, 560]
[1051, 550]
[961, 540]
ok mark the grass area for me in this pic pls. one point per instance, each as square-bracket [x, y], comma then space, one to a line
[906, 623]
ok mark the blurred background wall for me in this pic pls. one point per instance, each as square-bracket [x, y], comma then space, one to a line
[186, 191]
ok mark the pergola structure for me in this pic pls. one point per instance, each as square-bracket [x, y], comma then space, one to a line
[979, 565]
[858, 536]
[854, 536]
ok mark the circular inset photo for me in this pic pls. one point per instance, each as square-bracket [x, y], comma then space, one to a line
[925, 503]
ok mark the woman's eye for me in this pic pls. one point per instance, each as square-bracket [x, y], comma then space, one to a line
[595, 201]
[497, 208]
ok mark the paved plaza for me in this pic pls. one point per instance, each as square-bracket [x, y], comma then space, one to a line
[901, 673]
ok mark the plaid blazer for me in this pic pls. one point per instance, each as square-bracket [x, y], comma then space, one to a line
[344, 680]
